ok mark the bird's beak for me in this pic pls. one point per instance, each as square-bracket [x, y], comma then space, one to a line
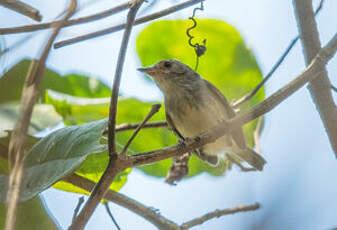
[148, 70]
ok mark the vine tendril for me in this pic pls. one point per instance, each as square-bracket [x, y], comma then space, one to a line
[198, 48]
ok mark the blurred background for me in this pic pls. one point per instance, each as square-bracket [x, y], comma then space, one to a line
[296, 189]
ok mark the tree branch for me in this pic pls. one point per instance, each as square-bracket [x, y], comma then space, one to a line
[114, 165]
[320, 86]
[22, 8]
[217, 214]
[90, 18]
[154, 109]
[122, 26]
[28, 99]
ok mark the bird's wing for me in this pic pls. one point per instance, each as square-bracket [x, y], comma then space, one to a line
[237, 134]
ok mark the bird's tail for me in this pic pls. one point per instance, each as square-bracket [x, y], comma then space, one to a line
[252, 158]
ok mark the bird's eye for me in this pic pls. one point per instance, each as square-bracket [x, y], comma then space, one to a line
[167, 64]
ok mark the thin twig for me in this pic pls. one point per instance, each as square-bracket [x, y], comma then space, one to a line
[78, 206]
[257, 135]
[90, 18]
[113, 166]
[122, 26]
[154, 109]
[275, 66]
[320, 86]
[122, 200]
[106, 204]
[217, 214]
[29, 95]
[243, 168]
[22, 8]
[128, 126]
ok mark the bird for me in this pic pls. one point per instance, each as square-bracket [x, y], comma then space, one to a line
[193, 105]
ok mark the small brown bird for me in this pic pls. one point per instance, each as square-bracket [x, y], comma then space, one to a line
[193, 105]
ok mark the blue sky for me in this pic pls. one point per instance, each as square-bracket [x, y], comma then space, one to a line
[296, 189]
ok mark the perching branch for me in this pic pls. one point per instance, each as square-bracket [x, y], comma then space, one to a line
[122, 26]
[319, 87]
[154, 109]
[292, 43]
[29, 95]
[114, 164]
[217, 214]
[22, 8]
[90, 18]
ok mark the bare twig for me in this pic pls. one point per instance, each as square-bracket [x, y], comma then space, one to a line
[106, 204]
[154, 109]
[147, 213]
[90, 18]
[28, 98]
[320, 86]
[113, 166]
[275, 67]
[78, 206]
[243, 168]
[128, 126]
[257, 135]
[22, 8]
[219, 213]
[122, 26]
[312, 71]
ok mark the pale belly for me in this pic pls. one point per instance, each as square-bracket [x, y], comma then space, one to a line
[196, 120]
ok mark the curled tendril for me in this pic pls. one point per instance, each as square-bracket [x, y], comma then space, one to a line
[198, 48]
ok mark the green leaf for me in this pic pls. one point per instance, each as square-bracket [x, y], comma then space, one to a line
[56, 155]
[11, 84]
[43, 116]
[75, 110]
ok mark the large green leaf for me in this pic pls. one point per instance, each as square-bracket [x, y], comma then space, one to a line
[56, 155]
[130, 110]
[11, 83]
[43, 116]
[32, 213]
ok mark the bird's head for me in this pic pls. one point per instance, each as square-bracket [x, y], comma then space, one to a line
[172, 74]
